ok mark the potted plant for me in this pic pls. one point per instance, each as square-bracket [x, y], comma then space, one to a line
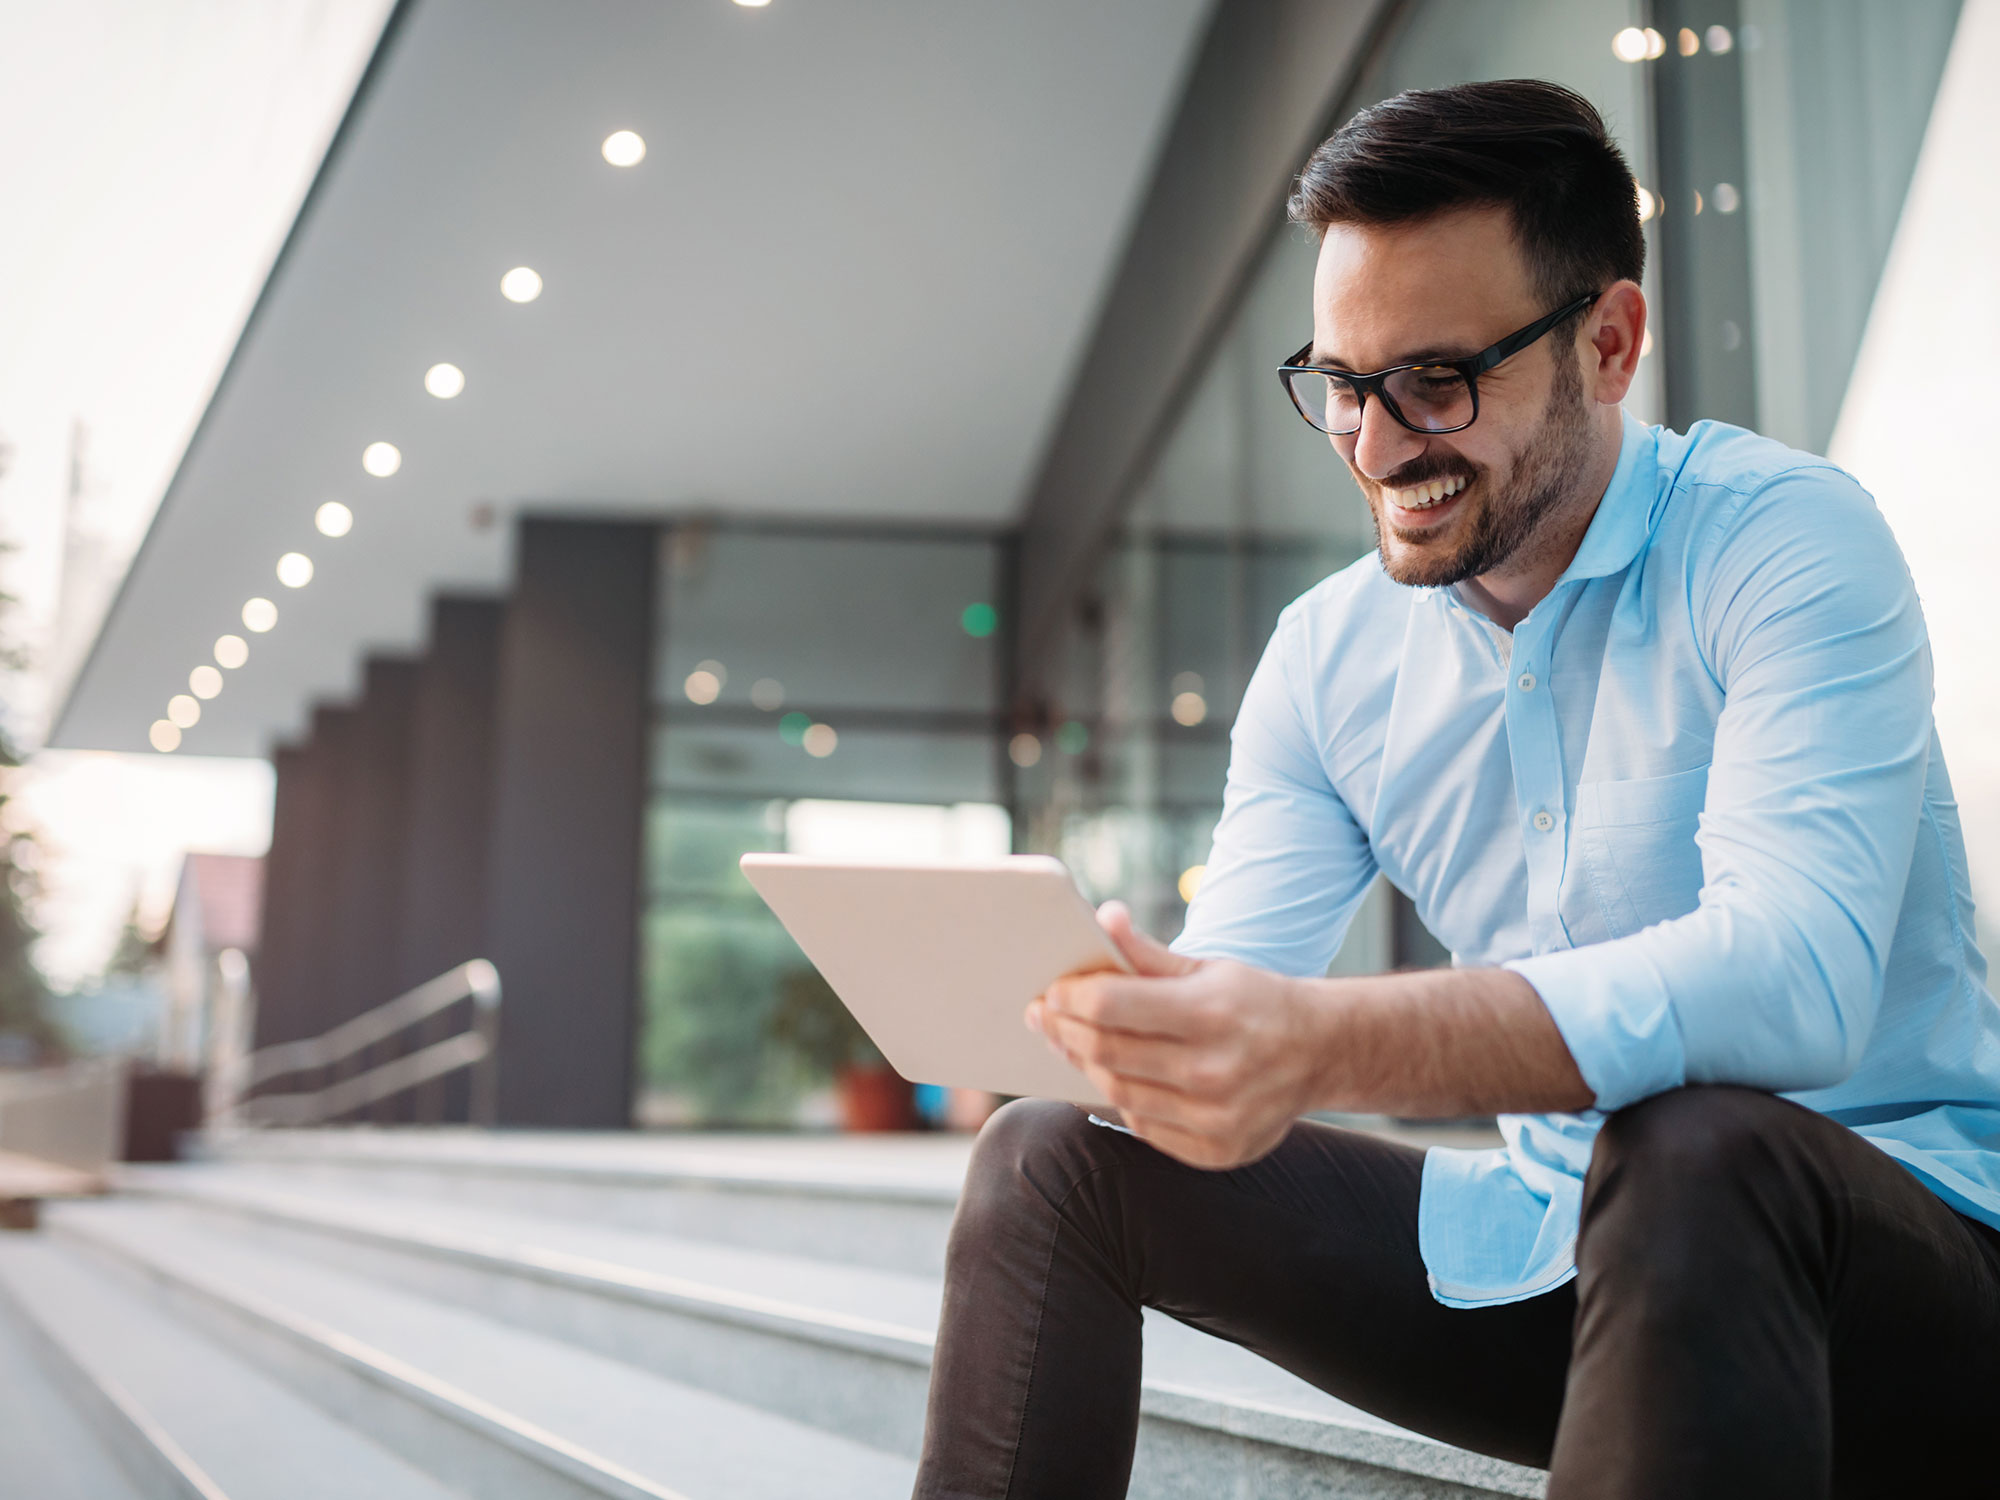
[811, 1021]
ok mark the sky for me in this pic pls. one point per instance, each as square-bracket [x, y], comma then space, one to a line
[152, 158]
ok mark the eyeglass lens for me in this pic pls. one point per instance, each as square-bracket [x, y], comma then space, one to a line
[1432, 398]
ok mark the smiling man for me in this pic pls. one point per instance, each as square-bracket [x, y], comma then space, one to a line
[1641, 723]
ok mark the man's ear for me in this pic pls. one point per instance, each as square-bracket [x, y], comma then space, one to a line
[1613, 335]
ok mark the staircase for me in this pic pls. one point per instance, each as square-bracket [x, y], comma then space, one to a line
[422, 1314]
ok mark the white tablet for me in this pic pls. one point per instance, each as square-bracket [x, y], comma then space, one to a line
[938, 961]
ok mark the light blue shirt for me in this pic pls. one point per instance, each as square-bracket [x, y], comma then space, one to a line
[1695, 799]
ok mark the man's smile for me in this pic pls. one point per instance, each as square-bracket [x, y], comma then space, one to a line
[1419, 507]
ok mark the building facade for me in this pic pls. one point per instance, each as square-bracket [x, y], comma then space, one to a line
[557, 766]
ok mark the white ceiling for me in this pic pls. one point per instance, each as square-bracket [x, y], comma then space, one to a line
[850, 279]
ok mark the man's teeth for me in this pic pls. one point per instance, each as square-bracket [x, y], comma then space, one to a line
[1424, 496]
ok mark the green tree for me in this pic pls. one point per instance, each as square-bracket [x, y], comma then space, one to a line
[24, 993]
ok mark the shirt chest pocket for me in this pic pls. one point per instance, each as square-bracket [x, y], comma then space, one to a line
[1636, 842]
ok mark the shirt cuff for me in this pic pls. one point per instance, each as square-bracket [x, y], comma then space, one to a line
[1610, 1004]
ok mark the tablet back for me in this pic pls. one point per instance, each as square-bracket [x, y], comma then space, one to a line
[937, 962]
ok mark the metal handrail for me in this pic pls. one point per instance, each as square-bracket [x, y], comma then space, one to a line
[477, 1049]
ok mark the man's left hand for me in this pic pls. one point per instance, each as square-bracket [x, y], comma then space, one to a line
[1210, 1061]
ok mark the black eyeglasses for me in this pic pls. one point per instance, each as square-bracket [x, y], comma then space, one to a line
[1437, 396]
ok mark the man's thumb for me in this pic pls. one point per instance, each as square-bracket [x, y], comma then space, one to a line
[1146, 955]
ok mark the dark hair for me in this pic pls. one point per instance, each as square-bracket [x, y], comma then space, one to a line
[1533, 148]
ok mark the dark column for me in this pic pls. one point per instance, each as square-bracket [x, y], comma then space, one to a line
[450, 817]
[569, 800]
[320, 931]
[291, 870]
[374, 813]
[451, 790]
[1711, 368]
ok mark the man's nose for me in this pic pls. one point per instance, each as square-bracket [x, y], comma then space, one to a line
[1383, 445]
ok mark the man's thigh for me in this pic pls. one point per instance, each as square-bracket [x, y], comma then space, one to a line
[1913, 1334]
[1309, 1257]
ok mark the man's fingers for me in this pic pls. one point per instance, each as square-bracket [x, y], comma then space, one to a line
[1192, 1147]
[1118, 1002]
[1146, 954]
[1199, 1073]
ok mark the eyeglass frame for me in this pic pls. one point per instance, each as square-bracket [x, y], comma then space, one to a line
[1469, 369]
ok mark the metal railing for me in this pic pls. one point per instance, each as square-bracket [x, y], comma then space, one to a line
[477, 1049]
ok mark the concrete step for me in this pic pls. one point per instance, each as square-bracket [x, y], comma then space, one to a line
[486, 1407]
[54, 1448]
[882, 1201]
[842, 1348]
[181, 1417]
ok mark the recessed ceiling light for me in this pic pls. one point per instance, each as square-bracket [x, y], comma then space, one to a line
[381, 459]
[624, 148]
[259, 615]
[753, 4]
[164, 736]
[295, 570]
[521, 285]
[333, 519]
[232, 651]
[445, 381]
[204, 681]
[183, 711]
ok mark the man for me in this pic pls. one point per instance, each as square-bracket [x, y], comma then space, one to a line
[1641, 722]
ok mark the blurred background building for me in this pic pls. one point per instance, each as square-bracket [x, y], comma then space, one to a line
[669, 431]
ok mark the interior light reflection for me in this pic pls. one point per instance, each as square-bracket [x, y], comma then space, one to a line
[624, 148]
[444, 381]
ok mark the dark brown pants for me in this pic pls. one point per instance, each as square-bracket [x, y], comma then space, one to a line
[1766, 1306]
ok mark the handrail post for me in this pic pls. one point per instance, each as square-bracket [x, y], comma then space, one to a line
[484, 982]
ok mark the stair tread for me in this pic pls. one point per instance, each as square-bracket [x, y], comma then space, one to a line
[52, 1452]
[1175, 1354]
[250, 1434]
[918, 1166]
[677, 1437]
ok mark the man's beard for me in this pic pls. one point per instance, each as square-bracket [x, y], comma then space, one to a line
[1507, 522]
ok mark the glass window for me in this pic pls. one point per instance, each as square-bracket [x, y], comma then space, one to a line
[818, 690]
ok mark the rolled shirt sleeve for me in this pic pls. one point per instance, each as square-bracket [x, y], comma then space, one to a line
[1809, 624]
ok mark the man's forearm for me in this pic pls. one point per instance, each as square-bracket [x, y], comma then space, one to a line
[1441, 1042]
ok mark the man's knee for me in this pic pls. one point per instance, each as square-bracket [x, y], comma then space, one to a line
[1697, 1134]
[1684, 1170]
[1038, 1146]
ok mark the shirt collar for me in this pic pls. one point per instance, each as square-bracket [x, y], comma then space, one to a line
[1625, 516]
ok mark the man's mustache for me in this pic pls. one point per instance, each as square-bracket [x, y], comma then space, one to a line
[1423, 472]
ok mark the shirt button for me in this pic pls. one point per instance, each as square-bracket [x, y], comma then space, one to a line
[1543, 822]
[1525, 682]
